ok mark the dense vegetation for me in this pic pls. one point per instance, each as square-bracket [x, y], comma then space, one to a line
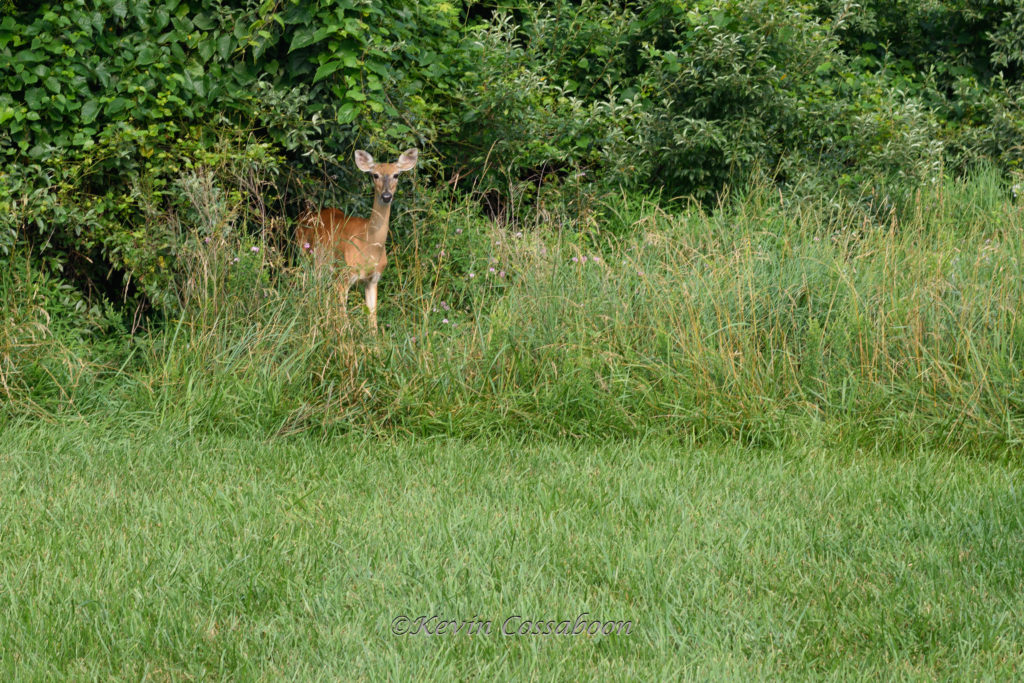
[802, 212]
[109, 107]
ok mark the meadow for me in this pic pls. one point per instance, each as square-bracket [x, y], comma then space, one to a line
[700, 338]
[781, 438]
[167, 555]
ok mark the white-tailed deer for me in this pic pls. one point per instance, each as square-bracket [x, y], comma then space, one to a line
[333, 237]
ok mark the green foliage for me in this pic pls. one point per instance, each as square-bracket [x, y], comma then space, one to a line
[107, 107]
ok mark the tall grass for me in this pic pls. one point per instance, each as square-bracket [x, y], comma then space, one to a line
[762, 321]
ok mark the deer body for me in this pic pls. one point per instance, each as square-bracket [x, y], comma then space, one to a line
[356, 247]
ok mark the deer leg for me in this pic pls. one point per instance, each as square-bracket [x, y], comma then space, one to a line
[371, 299]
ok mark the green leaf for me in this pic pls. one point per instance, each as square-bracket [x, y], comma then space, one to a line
[327, 69]
[356, 94]
[28, 56]
[348, 113]
[117, 105]
[160, 19]
[147, 55]
[206, 49]
[301, 39]
[204, 22]
[89, 111]
[34, 97]
[224, 46]
[120, 9]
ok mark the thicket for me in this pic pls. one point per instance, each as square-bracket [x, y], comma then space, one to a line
[106, 105]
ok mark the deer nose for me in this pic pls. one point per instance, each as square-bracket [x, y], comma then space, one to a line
[385, 197]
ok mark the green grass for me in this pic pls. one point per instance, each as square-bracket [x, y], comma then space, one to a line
[155, 553]
[783, 440]
[768, 318]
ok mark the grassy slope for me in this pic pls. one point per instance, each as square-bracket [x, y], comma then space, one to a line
[170, 554]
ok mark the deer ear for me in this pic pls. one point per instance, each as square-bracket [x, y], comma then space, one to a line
[364, 162]
[408, 159]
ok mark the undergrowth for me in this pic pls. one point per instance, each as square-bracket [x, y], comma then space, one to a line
[758, 322]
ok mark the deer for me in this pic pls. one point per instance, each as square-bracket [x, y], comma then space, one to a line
[332, 237]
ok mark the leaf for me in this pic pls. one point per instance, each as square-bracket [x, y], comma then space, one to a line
[117, 105]
[204, 22]
[89, 111]
[206, 49]
[28, 56]
[160, 19]
[120, 9]
[327, 69]
[347, 113]
[34, 97]
[356, 94]
[147, 55]
[224, 46]
[301, 39]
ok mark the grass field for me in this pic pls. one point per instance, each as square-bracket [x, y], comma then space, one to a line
[781, 440]
[160, 554]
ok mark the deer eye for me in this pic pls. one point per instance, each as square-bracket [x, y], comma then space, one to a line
[376, 176]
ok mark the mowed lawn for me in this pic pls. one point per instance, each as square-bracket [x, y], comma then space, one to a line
[161, 554]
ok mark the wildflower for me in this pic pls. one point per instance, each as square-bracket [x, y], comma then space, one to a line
[234, 260]
[501, 274]
[575, 260]
[519, 234]
[458, 231]
[442, 254]
[596, 258]
[306, 245]
[497, 243]
[254, 249]
[206, 239]
[472, 275]
[491, 269]
[444, 321]
[445, 306]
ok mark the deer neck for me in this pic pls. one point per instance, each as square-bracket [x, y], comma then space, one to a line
[377, 224]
